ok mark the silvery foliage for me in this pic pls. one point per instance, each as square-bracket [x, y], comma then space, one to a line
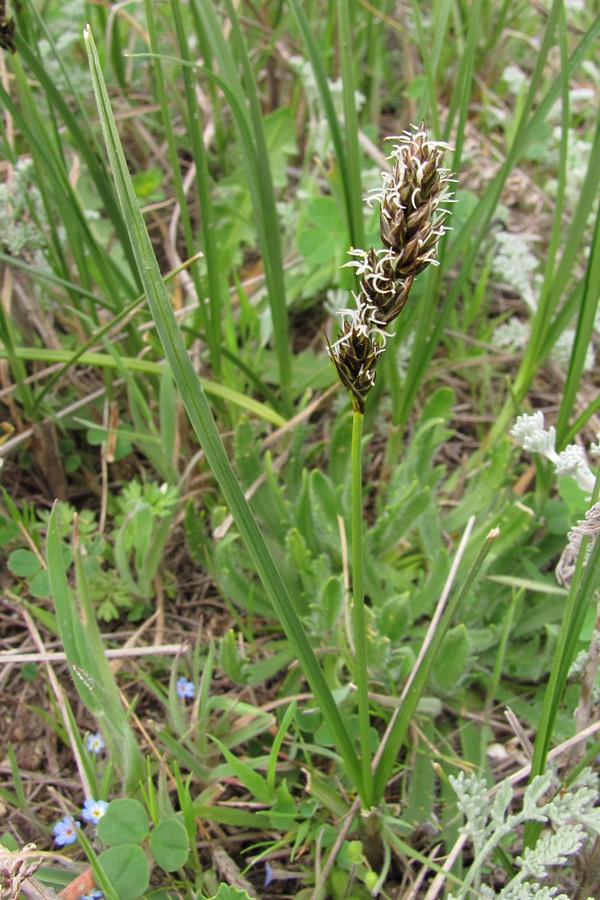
[514, 261]
[319, 131]
[19, 234]
[569, 817]
[529, 431]
[58, 50]
[515, 265]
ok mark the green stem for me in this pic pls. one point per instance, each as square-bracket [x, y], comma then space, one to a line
[360, 636]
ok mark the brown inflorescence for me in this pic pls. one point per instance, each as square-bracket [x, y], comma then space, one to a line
[412, 221]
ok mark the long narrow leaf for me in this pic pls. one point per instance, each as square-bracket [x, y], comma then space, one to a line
[85, 654]
[315, 56]
[133, 364]
[81, 138]
[354, 199]
[216, 284]
[257, 167]
[585, 326]
[472, 233]
[204, 425]
[399, 725]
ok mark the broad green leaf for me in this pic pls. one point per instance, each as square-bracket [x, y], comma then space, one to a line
[450, 664]
[226, 892]
[127, 869]
[39, 586]
[169, 844]
[23, 563]
[124, 821]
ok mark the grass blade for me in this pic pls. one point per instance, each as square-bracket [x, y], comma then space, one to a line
[472, 234]
[248, 121]
[133, 364]
[354, 225]
[82, 139]
[85, 654]
[210, 323]
[585, 326]
[204, 425]
[354, 198]
[399, 724]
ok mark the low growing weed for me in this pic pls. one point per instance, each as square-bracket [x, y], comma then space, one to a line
[120, 568]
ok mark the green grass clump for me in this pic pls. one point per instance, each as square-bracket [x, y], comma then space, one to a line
[268, 634]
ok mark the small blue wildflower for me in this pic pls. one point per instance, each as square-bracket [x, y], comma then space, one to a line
[93, 896]
[268, 874]
[185, 688]
[93, 810]
[65, 831]
[95, 743]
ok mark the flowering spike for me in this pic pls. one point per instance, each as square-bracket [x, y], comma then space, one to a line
[355, 356]
[412, 221]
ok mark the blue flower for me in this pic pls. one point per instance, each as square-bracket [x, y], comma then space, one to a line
[268, 874]
[185, 688]
[65, 831]
[95, 743]
[93, 896]
[93, 810]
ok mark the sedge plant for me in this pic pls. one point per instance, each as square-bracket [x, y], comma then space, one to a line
[412, 221]
[200, 415]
